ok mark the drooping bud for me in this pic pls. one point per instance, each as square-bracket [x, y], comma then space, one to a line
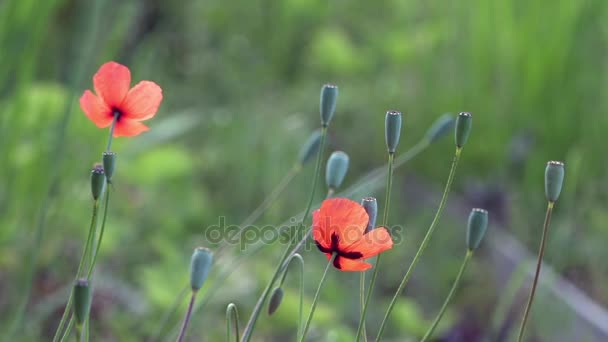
[109, 164]
[440, 127]
[554, 178]
[463, 128]
[476, 227]
[392, 130]
[329, 96]
[275, 300]
[98, 181]
[310, 148]
[337, 166]
[200, 264]
[371, 208]
[82, 300]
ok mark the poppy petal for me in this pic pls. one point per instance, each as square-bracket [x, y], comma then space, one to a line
[129, 128]
[318, 233]
[343, 217]
[373, 243]
[349, 265]
[142, 101]
[95, 109]
[112, 82]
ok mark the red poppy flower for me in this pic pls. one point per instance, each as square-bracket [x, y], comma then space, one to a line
[112, 82]
[338, 227]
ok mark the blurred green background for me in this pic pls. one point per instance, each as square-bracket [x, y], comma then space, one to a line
[241, 82]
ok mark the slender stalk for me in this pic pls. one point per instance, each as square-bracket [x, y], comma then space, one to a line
[109, 146]
[68, 329]
[101, 230]
[539, 262]
[258, 307]
[362, 300]
[372, 282]
[315, 300]
[232, 315]
[68, 307]
[182, 332]
[465, 262]
[301, 307]
[423, 245]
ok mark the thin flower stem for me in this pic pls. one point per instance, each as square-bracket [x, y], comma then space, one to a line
[258, 306]
[68, 307]
[423, 245]
[68, 329]
[315, 300]
[232, 315]
[372, 282]
[465, 262]
[539, 262]
[182, 332]
[109, 147]
[101, 230]
[362, 300]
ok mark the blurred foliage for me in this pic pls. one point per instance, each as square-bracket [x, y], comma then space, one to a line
[241, 81]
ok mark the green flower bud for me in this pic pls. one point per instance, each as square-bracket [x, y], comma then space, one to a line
[82, 300]
[329, 96]
[310, 148]
[554, 178]
[337, 166]
[371, 208]
[392, 130]
[440, 128]
[476, 228]
[200, 264]
[109, 163]
[98, 181]
[463, 128]
[275, 300]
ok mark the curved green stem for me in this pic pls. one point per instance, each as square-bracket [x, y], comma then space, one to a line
[68, 307]
[182, 332]
[300, 262]
[423, 245]
[232, 316]
[541, 252]
[429, 332]
[258, 307]
[315, 300]
[68, 329]
[372, 282]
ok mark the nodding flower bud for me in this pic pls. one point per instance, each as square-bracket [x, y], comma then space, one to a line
[463, 128]
[200, 264]
[554, 178]
[476, 227]
[275, 300]
[371, 208]
[440, 128]
[98, 181]
[337, 166]
[329, 96]
[310, 148]
[109, 163]
[82, 300]
[392, 130]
